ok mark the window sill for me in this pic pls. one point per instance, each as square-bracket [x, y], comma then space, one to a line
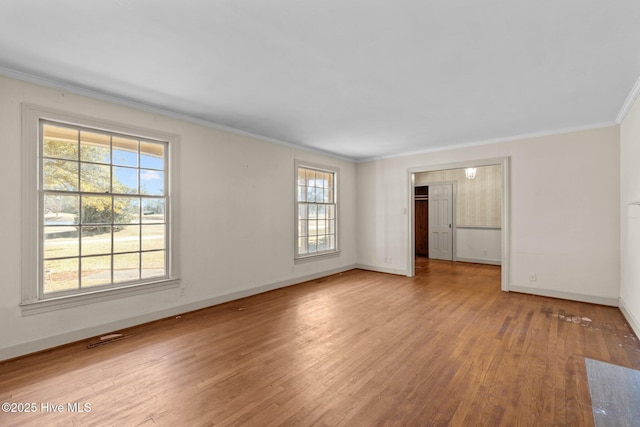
[62, 302]
[310, 258]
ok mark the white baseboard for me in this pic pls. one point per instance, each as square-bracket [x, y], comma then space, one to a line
[481, 261]
[81, 334]
[631, 319]
[564, 295]
[382, 269]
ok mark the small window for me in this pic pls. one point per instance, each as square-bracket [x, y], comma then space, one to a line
[316, 228]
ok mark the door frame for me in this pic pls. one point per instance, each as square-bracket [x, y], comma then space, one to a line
[506, 211]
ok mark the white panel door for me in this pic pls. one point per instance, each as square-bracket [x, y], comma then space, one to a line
[440, 221]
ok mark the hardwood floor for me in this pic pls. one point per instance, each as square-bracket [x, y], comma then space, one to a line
[446, 347]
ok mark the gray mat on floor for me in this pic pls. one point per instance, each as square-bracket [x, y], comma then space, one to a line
[615, 394]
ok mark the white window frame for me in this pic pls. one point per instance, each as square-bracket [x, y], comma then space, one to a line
[33, 298]
[298, 258]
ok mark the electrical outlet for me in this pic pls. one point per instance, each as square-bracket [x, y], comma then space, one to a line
[533, 277]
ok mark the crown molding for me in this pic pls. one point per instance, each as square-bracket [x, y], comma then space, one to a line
[628, 103]
[102, 96]
[493, 141]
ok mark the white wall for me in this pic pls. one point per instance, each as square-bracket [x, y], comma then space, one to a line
[564, 211]
[237, 224]
[630, 216]
[478, 200]
[481, 245]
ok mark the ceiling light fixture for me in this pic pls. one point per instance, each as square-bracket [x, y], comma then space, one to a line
[470, 173]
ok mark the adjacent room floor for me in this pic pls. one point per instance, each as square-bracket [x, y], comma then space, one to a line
[446, 347]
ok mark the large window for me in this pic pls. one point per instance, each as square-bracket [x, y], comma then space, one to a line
[316, 230]
[102, 204]
[104, 208]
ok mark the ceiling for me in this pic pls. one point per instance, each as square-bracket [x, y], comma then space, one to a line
[359, 79]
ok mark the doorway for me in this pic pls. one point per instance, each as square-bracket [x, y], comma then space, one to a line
[502, 241]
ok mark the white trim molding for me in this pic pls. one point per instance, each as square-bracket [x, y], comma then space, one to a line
[475, 143]
[32, 300]
[634, 323]
[395, 271]
[613, 302]
[481, 261]
[95, 94]
[628, 103]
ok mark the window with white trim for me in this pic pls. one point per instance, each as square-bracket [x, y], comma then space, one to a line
[101, 206]
[316, 207]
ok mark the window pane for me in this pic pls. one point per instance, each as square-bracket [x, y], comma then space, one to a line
[96, 210]
[301, 176]
[60, 275]
[126, 267]
[153, 210]
[96, 270]
[327, 180]
[125, 151]
[126, 238]
[302, 194]
[322, 227]
[312, 244]
[322, 212]
[322, 243]
[313, 211]
[61, 210]
[60, 142]
[331, 211]
[152, 237]
[302, 211]
[302, 245]
[151, 155]
[151, 182]
[95, 178]
[61, 242]
[311, 194]
[95, 147]
[96, 240]
[319, 195]
[153, 264]
[313, 227]
[60, 175]
[332, 242]
[332, 226]
[125, 180]
[311, 178]
[126, 210]
[302, 228]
